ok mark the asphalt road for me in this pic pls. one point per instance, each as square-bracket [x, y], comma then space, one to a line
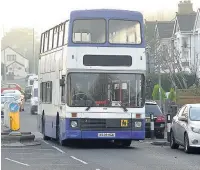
[90, 156]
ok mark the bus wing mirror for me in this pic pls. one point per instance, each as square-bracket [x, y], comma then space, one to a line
[62, 82]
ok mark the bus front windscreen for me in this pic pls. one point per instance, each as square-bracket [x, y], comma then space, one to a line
[89, 31]
[105, 90]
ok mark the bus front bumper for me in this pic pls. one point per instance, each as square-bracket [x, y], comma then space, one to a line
[111, 135]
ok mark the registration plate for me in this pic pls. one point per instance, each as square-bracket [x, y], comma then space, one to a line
[147, 120]
[106, 134]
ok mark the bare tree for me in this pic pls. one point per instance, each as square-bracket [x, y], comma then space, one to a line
[168, 59]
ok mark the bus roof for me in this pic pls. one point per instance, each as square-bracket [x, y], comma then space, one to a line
[110, 13]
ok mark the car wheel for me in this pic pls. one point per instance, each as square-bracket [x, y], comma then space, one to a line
[161, 136]
[173, 143]
[187, 148]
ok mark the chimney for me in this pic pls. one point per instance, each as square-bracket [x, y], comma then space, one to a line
[185, 7]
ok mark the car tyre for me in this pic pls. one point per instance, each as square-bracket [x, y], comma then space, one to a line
[187, 148]
[173, 143]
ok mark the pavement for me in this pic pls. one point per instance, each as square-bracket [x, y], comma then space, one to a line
[93, 156]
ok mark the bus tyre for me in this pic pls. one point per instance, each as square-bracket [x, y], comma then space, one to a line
[58, 137]
[126, 143]
[43, 128]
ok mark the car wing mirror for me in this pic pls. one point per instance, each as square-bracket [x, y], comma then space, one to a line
[182, 118]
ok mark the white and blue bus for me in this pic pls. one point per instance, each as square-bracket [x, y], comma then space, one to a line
[92, 77]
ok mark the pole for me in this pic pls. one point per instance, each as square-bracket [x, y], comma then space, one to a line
[168, 127]
[34, 50]
[4, 53]
[152, 126]
[159, 82]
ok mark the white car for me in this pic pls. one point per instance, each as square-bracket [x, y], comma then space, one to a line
[5, 99]
[11, 91]
[185, 129]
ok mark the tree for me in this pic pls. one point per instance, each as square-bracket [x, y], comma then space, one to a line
[155, 93]
[167, 57]
[172, 95]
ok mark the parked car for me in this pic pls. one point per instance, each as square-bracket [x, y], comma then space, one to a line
[28, 92]
[34, 98]
[5, 99]
[28, 75]
[11, 91]
[19, 99]
[10, 86]
[185, 129]
[151, 107]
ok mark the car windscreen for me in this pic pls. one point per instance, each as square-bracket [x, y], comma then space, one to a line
[36, 92]
[7, 99]
[28, 89]
[152, 109]
[195, 114]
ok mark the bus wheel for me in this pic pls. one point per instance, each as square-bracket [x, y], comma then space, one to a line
[58, 137]
[43, 128]
[126, 143]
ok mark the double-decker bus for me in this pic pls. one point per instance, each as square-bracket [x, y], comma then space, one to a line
[92, 77]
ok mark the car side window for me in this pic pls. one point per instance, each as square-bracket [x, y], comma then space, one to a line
[185, 112]
[181, 111]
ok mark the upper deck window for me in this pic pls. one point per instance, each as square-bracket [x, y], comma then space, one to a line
[89, 31]
[124, 32]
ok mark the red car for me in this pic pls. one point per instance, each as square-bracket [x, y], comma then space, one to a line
[10, 86]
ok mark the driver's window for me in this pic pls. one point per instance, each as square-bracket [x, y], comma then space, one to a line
[63, 92]
[185, 112]
[181, 111]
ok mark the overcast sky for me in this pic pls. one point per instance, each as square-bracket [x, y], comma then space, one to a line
[43, 14]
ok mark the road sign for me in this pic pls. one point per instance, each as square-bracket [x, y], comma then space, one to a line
[14, 107]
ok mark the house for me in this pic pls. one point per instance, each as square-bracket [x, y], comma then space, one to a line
[16, 64]
[163, 34]
[184, 39]
[196, 31]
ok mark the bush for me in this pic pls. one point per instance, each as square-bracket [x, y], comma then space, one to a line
[172, 95]
[155, 93]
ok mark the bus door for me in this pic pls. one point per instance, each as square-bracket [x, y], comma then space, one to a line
[119, 93]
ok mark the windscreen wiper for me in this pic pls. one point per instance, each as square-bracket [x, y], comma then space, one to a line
[124, 107]
[88, 108]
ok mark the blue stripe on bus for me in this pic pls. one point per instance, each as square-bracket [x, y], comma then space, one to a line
[78, 134]
[68, 133]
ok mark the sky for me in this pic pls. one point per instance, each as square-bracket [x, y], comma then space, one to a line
[43, 14]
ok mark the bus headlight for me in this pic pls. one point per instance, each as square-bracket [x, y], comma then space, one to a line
[74, 123]
[138, 124]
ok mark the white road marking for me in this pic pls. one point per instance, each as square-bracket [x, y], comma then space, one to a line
[58, 149]
[25, 148]
[17, 162]
[79, 160]
[45, 142]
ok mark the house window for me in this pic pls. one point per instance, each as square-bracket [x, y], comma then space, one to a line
[11, 57]
[185, 42]
[185, 64]
[185, 55]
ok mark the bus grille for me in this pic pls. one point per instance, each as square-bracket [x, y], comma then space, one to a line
[103, 124]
